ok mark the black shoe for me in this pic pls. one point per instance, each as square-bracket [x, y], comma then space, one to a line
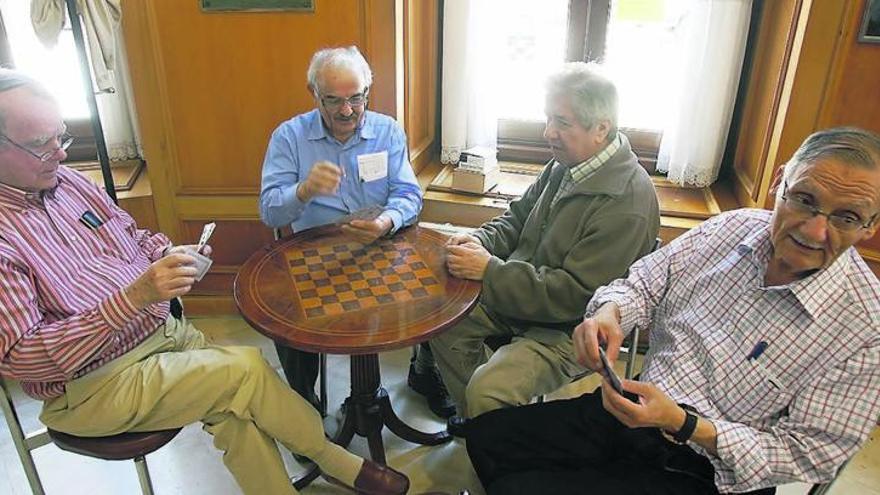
[456, 426]
[431, 387]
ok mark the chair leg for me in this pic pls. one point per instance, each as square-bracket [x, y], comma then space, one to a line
[322, 359]
[140, 463]
[20, 441]
[633, 351]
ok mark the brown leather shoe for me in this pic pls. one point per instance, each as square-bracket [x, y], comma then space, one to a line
[376, 479]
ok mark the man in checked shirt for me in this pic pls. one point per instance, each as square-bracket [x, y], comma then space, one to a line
[764, 362]
[85, 323]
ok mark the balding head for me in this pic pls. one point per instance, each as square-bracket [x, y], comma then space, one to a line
[11, 83]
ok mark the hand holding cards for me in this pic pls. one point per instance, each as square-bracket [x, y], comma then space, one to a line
[203, 263]
[609, 373]
[368, 213]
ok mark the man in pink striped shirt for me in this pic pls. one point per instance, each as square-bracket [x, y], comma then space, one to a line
[85, 323]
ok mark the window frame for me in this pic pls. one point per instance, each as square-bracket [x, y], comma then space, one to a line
[523, 141]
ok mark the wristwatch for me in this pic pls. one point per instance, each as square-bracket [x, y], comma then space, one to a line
[687, 429]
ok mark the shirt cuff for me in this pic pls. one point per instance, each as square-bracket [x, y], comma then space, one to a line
[734, 441]
[396, 220]
[626, 305]
[289, 197]
[117, 310]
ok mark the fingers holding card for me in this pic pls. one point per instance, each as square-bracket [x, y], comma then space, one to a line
[202, 264]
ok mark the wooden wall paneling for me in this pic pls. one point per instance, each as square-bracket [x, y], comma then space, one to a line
[379, 50]
[772, 52]
[770, 154]
[818, 55]
[854, 95]
[152, 111]
[421, 36]
[233, 77]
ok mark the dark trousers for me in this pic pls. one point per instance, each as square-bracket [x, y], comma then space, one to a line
[300, 369]
[576, 447]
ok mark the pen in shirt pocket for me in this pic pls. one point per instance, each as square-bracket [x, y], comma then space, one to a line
[91, 220]
[753, 356]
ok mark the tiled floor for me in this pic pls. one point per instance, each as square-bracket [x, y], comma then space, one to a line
[189, 465]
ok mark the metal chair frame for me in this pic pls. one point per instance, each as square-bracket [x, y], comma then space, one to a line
[27, 442]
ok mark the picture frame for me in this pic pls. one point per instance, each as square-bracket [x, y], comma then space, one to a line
[257, 5]
[869, 32]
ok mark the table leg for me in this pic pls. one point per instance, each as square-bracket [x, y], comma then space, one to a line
[374, 409]
[366, 411]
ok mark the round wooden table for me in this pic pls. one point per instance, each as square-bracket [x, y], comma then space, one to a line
[321, 291]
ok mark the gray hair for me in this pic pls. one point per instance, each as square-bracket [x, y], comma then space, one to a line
[339, 58]
[593, 95]
[12, 79]
[848, 145]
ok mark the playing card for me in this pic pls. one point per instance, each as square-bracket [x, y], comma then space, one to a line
[203, 263]
[368, 213]
[207, 231]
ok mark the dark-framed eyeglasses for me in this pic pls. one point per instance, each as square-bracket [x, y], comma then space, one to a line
[335, 102]
[64, 140]
[844, 222]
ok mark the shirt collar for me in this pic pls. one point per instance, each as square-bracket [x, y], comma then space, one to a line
[317, 130]
[19, 199]
[582, 171]
[812, 292]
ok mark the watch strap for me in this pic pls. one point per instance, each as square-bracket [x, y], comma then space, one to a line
[687, 429]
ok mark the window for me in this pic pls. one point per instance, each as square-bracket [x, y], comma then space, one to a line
[56, 68]
[630, 38]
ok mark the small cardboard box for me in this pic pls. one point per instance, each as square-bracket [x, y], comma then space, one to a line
[475, 182]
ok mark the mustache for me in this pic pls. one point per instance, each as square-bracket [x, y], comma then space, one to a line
[343, 118]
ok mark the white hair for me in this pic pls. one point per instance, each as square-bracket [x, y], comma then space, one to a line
[339, 58]
[593, 96]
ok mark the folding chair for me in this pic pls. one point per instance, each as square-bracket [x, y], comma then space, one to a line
[322, 359]
[124, 446]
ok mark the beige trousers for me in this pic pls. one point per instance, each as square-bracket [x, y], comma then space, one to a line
[174, 378]
[537, 361]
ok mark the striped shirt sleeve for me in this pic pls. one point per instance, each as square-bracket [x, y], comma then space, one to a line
[33, 349]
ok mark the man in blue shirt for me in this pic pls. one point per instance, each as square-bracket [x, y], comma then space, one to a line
[334, 160]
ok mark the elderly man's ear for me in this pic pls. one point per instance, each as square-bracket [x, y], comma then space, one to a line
[603, 127]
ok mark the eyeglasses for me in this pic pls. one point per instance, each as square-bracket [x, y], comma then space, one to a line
[65, 140]
[844, 222]
[335, 102]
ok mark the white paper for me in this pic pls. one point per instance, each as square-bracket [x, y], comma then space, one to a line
[373, 166]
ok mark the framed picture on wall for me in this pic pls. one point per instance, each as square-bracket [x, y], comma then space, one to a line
[870, 30]
[256, 5]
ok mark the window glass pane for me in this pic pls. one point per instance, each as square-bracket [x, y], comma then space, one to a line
[639, 48]
[57, 68]
[532, 36]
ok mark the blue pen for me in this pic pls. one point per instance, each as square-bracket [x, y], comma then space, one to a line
[759, 349]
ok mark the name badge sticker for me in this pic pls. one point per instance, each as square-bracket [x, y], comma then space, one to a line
[373, 166]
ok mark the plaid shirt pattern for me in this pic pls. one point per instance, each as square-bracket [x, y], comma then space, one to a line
[582, 171]
[810, 400]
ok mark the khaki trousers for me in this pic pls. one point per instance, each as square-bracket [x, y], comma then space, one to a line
[174, 378]
[537, 361]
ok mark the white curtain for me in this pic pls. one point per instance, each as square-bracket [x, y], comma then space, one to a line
[469, 108]
[707, 66]
[108, 62]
